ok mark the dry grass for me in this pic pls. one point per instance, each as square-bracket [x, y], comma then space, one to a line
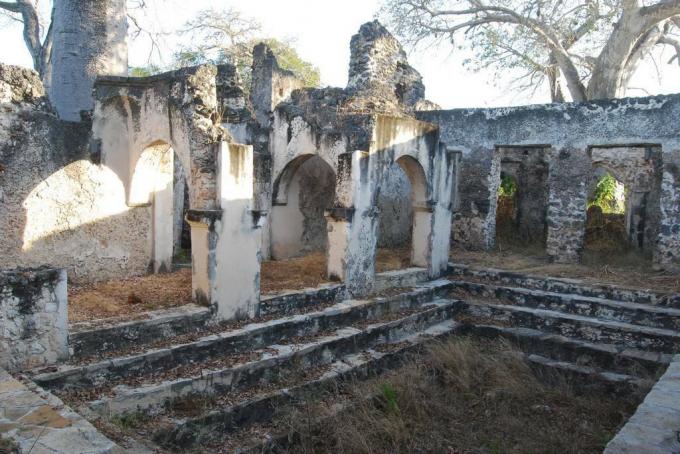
[129, 298]
[8, 446]
[310, 271]
[465, 397]
[626, 269]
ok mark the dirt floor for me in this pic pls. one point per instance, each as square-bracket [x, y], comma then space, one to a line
[625, 269]
[310, 271]
[129, 298]
[465, 396]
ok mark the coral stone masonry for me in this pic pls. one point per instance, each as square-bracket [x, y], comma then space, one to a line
[116, 178]
[33, 318]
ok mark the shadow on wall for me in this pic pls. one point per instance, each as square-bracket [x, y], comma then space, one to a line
[302, 193]
[78, 218]
[396, 210]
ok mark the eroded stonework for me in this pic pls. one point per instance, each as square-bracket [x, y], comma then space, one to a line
[34, 319]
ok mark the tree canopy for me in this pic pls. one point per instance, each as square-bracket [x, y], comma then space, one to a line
[584, 49]
[227, 36]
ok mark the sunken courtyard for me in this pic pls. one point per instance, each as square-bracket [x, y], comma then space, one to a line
[190, 264]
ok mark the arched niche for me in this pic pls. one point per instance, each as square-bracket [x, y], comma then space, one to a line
[302, 192]
[422, 210]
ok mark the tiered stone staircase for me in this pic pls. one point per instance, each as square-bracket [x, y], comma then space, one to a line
[600, 333]
[203, 386]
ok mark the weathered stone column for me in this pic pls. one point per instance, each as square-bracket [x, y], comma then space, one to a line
[226, 242]
[445, 176]
[667, 251]
[89, 40]
[567, 205]
[203, 224]
[353, 225]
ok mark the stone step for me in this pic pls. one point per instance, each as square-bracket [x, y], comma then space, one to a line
[235, 421]
[563, 285]
[87, 339]
[589, 377]
[218, 424]
[578, 327]
[102, 337]
[291, 302]
[244, 339]
[629, 361]
[600, 308]
[274, 362]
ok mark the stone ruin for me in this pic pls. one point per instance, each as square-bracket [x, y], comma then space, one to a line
[97, 184]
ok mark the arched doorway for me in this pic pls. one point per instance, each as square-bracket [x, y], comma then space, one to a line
[159, 181]
[298, 234]
[395, 227]
[408, 240]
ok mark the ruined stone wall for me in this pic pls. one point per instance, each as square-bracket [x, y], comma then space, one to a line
[569, 130]
[178, 108]
[379, 72]
[34, 318]
[57, 206]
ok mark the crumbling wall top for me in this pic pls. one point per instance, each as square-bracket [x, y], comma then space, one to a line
[379, 69]
[20, 85]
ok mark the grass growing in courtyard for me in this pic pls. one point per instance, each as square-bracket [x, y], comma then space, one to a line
[465, 396]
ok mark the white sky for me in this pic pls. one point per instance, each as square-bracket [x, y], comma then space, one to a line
[322, 30]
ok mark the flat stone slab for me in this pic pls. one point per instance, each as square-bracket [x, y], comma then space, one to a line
[40, 423]
[655, 426]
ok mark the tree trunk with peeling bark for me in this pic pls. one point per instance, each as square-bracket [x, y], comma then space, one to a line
[636, 31]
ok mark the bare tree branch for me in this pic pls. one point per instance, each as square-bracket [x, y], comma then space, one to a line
[600, 43]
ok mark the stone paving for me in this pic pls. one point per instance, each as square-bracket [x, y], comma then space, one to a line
[38, 422]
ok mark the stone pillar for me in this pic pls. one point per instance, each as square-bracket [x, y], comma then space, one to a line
[33, 318]
[203, 241]
[89, 41]
[567, 203]
[353, 225]
[667, 250]
[445, 186]
[421, 235]
[226, 242]
[163, 215]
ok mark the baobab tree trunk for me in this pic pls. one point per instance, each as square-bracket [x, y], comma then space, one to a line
[637, 31]
[89, 39]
